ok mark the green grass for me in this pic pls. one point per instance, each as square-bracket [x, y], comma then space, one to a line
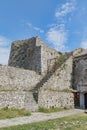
[76, 122]
[46, 110]
[11, 113]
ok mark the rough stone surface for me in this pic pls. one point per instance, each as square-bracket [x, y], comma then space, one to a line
[80, 72]
[62, 78]
[17, 99]
[12, 78]
[50, 94]
[54, 99]
[79, 52]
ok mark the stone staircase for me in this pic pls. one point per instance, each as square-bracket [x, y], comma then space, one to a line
[61, 60]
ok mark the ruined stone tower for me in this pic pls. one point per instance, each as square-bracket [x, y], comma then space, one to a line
[32, 54]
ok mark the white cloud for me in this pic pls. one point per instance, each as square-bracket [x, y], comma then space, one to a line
[4, 49]
[35, 28]
[65, 9]
[4, 41]
[58, 38]
[38, 29]
[57, 34]
[84, 44]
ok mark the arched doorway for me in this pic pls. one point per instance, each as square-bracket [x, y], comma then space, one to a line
[85, 100]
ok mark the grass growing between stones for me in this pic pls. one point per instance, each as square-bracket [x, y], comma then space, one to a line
[76, 122]
[11, 113]
[46, 110]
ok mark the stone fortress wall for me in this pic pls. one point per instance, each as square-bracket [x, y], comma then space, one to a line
[80, 79]
[80, 71]
[18, 99]
[16, 86]
[12, 78]
[29, 60]
[56, 91]
[62, 78]
[55, 99]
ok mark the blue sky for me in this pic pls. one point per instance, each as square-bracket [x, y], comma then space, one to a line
[62, 24]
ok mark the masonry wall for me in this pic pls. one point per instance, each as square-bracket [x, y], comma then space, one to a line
[25, 54]
[12, 78]
[32, 54]
[53, 99]
[80, 73]
[18, 99]
[62, 78]
[55, 91]
[48, 56]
